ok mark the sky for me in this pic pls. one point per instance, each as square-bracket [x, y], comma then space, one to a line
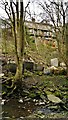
[2, 12]
[33, 8]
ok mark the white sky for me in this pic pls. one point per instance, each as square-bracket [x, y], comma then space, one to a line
[33, 8]
[2, 12]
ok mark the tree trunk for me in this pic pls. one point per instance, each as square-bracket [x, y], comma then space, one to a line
[18, 75]
[17, 23]
[20, 42]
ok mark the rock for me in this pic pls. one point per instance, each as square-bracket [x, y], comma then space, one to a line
[54, 70]
[62, 70]
[1, 75]
[41, 103]
[54, 62]
[47, 71]
[28, 99]
[29, 111]
[11, 67]
[62, 64]
[28, 65]
[10, 61]
[58, 70]
[3, 101]
[26, 91]
[34, 100]
[53, 107]
[21, 117]
[20, 101]
[54, 99]
[38, 67]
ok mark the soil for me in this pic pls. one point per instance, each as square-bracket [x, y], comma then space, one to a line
[31, 101]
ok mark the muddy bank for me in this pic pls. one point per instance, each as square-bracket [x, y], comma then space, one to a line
[41, 96]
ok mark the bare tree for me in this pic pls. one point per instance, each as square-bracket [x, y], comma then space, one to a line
[15, 13]
[56, 12]
[66, 38]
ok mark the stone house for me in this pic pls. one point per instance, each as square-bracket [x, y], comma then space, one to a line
[41, 31]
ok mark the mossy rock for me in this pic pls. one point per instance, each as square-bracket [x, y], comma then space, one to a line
[54, 99]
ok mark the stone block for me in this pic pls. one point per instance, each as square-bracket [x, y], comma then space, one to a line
[54, 62]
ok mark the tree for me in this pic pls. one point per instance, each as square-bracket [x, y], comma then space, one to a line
[67, 36]
[56, 14]
[16, 20]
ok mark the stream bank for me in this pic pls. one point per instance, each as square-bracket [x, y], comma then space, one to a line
[37, 99]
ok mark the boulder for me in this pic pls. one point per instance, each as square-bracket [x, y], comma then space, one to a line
[1, 75]
[38, 67]
[47, 71]
[58, 70]
[52, 69]
[62, 70]
[28, 65]
[62, 64]
[54, 62]
[10, 67]
[54, 99]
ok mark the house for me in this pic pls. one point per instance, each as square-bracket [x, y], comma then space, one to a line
[41, 31]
